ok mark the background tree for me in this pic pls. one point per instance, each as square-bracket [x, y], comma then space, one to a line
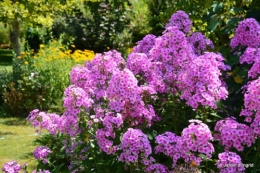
[32, 12]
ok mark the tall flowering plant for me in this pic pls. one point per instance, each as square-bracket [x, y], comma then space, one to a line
[156, 110]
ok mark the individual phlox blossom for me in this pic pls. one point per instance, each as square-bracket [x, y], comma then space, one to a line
[134, 144]
[196, 139]
[11, 167]
[41, 153]
[70, 122]
[181, 20]
[41, 171]
[80, 76]
[76, 97]
[199, 43]
[247, 34]
[43, 120]
[104, 141]
[252, 105]
[169, 144]
[102, 67]
[230, 162]
[233, 134]
[156, 168]
[145, 45]
[122, 87]
[201, 83]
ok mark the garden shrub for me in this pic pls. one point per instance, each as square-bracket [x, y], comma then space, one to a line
[45, 75]
[162, 109]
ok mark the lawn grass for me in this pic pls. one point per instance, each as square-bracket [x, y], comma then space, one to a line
[4, 68]
[16, 142]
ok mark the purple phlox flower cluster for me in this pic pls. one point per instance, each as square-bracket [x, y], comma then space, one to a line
[43, 120]
[145, 45]
[252, 56]
[199, 43]
[122, 87]
[104, 141]
[233, 134]
[135, 145]
[173, 54]
[80, 76]
[195, 138]
[76, 98]
[41, 171]
[201, 82]
[252, 105]
[102, 68]
[181, 20]
[111, 121]
[247, 34]
[230, 162]
[41, 153]
[169, 144]
[69, 122]
[157, 168]
[11, 167]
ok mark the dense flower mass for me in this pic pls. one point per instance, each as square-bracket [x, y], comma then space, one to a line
[230, 162]
[247, 34]
[11, 167]
[43, 120]
[199, 43]
[234, 134]
[201, 83]
[252, 105]
[134, 144]
[145, 45]
[41, 153]
[196, 138]
[181, 20]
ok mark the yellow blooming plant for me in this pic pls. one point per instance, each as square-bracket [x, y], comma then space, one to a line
[47, 73]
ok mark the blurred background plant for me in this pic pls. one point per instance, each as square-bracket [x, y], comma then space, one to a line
[45, 75]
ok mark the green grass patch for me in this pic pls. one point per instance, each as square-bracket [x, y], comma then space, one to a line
[16, 142]
[5, 68]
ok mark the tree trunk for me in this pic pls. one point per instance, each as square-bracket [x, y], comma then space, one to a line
[15, 40]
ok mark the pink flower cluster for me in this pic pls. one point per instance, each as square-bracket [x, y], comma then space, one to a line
[134, 145]
[247, 34]
[252, 105]
[194, 139]
[181, 20]
[145, 45]
[41, 153]
[233, 134]
[201, 83]
[230, 162]
[199, 43]
[48, 121]
[11, 167]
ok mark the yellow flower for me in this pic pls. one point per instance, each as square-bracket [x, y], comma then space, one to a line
[26, 63]
[23, 53]
[19, 57]
[41, 45]
[73, 45]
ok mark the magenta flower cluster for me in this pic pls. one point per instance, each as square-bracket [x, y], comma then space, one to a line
[11, 167]
[247, 34]
[145, 45]
[181, 20]
[41, 153]
[199, 43]
[134, 144]
[232, 134]
[194, 139]
[230, 162]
